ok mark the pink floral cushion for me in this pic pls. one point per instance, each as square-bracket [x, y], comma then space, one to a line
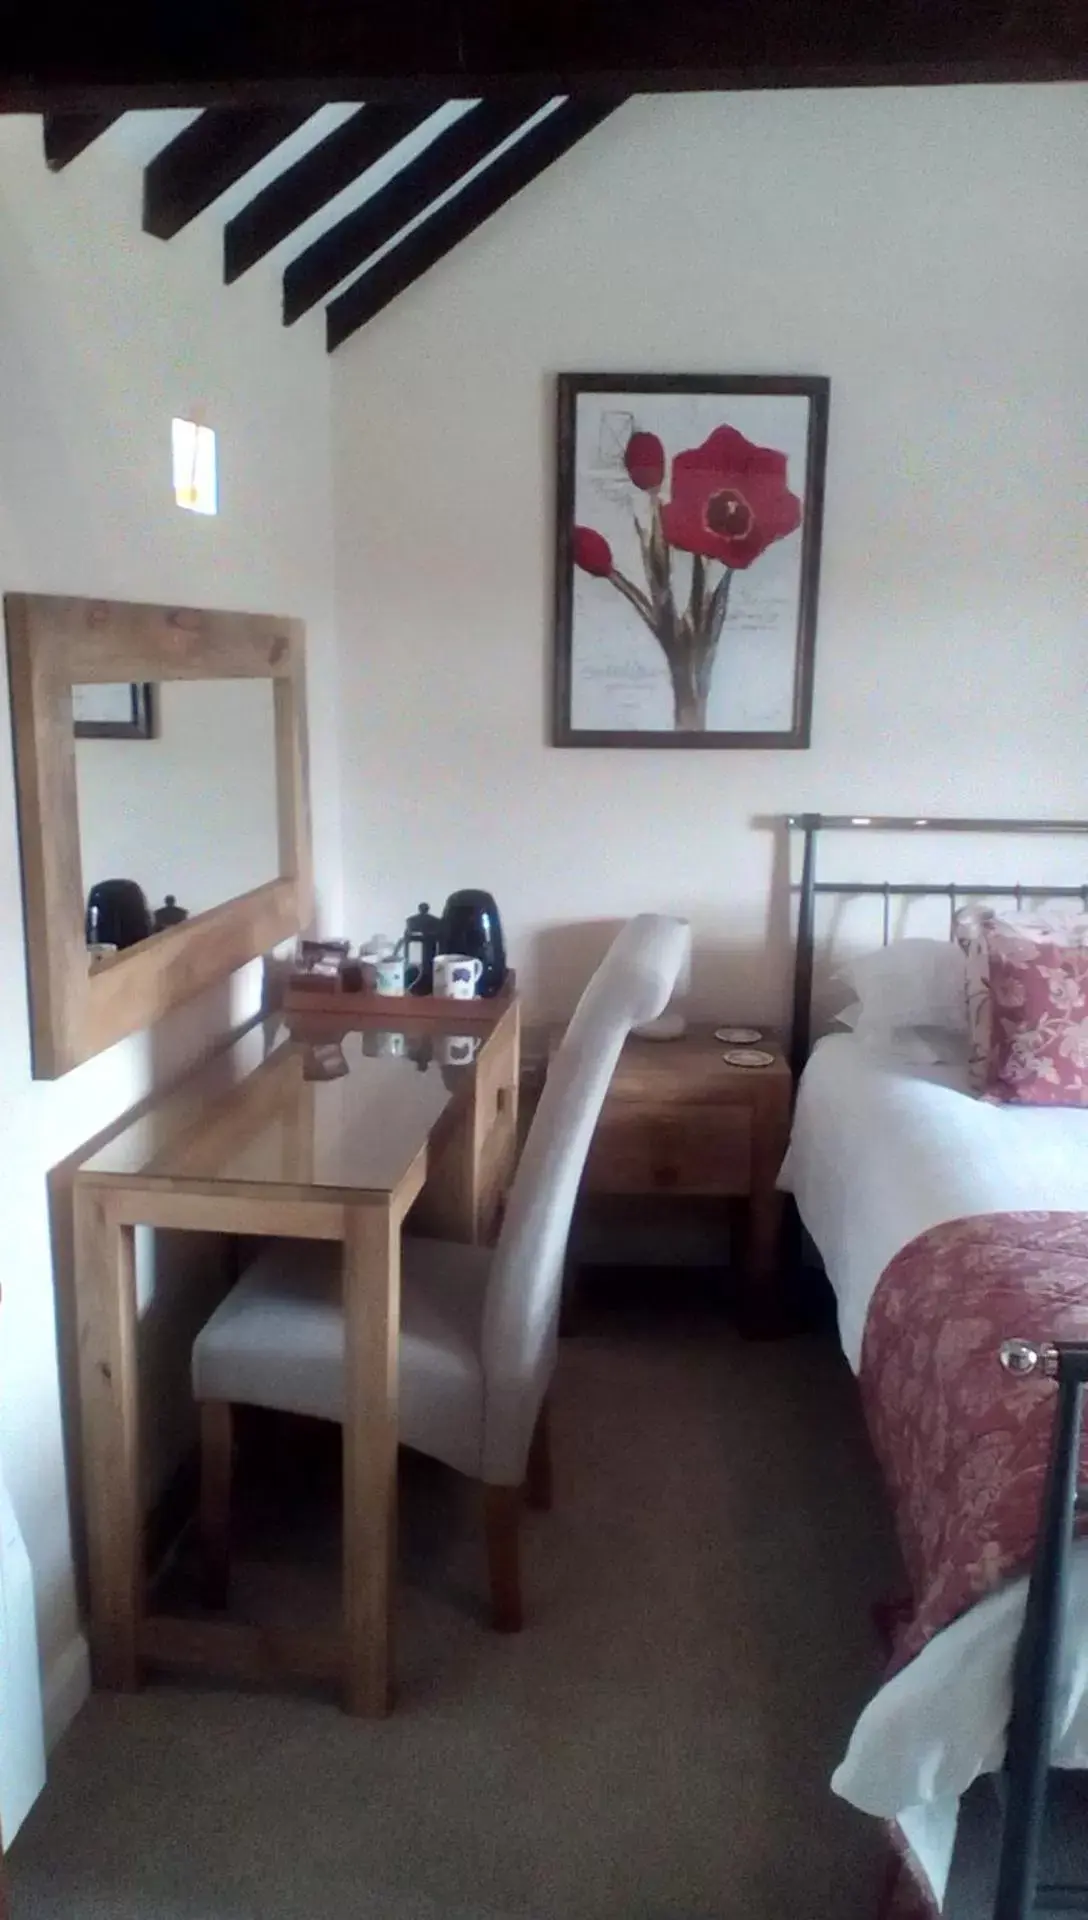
[975, 929]
[1039, 1019]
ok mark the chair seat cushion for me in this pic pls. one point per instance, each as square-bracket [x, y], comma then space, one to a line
[277, 1340]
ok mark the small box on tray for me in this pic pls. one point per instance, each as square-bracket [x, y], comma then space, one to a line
[318, 965]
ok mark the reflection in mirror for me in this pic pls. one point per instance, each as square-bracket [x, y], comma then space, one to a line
[190, 814]
[212, 807]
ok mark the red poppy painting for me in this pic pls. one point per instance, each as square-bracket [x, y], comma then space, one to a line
[688, 559]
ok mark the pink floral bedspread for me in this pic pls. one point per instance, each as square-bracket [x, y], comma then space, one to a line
[963, 1447]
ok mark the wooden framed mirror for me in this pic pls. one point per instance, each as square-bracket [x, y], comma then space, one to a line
[217, 797]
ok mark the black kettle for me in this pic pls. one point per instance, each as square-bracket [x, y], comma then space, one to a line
[471, 925]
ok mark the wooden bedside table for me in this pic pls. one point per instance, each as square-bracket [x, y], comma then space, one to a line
[678, 1120]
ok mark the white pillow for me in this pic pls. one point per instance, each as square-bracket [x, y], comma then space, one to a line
[911, 983]
[914, 1046]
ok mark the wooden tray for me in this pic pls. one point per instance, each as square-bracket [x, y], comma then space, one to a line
[394, 1008]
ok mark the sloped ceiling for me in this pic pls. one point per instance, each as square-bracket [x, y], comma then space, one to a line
[352, 203]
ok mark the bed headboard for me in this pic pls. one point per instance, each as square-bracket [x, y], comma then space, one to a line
[811, 825]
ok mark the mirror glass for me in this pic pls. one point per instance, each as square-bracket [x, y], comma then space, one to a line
[184, 805]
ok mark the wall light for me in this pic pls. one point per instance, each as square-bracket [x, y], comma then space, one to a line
[196, 480]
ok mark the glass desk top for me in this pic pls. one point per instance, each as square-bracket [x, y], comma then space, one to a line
[303, 1105]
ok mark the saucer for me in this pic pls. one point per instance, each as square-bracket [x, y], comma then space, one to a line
[738, 1036]
[748, 1057]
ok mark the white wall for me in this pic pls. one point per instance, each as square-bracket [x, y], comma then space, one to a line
[924, 248]
[104, 336]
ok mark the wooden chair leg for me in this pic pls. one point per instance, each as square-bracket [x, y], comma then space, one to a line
[216, 1461]
[538, 1475]
[502, 1524]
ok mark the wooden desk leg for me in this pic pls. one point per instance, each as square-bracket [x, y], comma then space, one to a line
[106, 1284]
[371, 1361]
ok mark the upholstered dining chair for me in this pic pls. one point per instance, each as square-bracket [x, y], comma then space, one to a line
[478, 1336]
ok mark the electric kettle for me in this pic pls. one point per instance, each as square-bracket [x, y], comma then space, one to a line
[471, 925]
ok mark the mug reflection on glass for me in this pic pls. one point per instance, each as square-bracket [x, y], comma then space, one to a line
[457, 1049]
[384, 1046]
[456, 976]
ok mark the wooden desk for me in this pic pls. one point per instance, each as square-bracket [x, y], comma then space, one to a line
[679, 1120]
[256, 1143]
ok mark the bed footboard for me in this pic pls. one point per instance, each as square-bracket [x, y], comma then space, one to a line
[1031, 1727]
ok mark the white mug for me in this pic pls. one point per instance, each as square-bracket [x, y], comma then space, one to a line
[389, 974]
[456, 976]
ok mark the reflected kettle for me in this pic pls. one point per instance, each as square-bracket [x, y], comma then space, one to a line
[117, 914]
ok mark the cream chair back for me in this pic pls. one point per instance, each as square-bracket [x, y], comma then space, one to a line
[632, 985]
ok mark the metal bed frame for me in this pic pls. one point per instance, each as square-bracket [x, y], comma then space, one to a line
[1020, 1896]
[1038, 1654]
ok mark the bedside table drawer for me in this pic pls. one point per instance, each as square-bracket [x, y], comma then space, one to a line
[703, 1150]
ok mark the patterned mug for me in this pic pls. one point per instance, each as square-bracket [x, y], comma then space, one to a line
[456, 976]
[389, 974]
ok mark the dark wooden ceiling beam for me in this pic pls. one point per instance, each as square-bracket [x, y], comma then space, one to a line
[476, 202]
[67, 135]
[313, 181]
[279, 53]
[344, 247]
[208, 157]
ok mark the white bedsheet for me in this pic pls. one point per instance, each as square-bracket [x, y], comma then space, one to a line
[880, 1152]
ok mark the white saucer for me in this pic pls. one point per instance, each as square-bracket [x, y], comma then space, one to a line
[738, 1036]
[667, 1026]
[748, 1057]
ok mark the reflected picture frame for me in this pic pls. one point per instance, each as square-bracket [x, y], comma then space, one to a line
[117, 710]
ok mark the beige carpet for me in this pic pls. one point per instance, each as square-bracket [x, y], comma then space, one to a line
[657, 1743]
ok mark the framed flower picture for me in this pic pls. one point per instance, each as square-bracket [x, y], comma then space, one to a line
[688, 559]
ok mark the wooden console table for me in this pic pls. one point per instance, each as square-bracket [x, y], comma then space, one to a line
[679, 1120]
[311, 1130]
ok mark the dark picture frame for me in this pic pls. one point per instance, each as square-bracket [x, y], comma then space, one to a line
[642, 615]
[139, 723]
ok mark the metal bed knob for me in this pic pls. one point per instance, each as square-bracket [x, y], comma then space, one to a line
[1022, 1357]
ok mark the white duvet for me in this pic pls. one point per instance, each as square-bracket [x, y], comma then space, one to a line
[880, 1152]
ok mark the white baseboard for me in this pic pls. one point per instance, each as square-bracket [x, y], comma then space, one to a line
[66, 1686]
